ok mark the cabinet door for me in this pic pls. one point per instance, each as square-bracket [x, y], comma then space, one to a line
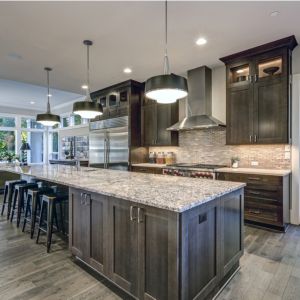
[157, 251]
[232, 224]
[122, 251]
[98, 231]
[149, 124]
[80, 225]
[239, 116]
[271, 111]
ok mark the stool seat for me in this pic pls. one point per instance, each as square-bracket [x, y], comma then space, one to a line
[50, 201]
[8, 193]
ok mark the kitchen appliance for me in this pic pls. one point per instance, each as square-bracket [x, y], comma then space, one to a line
[199, 102]
[195, 170]
[109, 144]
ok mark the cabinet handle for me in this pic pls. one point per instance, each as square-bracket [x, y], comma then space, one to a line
[82, 195]
[250, 78]
[254, 193]
[132, 218]
[255, 138]
[250, 138]
[140, 220]
[255, 78]
[254, 178]
[87, 199]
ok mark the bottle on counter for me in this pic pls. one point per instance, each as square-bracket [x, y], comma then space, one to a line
[152, 157]
[170, 158]
[160, 158]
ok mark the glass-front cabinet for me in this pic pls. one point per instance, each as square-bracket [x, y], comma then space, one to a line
[75, 147]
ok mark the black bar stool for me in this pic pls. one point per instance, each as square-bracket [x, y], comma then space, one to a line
[50, 202]
[8, 193]
[33, 206]
[20, 192]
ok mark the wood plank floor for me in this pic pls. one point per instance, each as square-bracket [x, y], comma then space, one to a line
[270, 269]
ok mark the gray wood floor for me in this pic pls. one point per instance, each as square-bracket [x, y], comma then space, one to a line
[270, 269]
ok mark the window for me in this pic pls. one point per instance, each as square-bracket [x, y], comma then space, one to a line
[53, 145]
[7, 122]
[7, 144]
[36, 141]
[30, 123]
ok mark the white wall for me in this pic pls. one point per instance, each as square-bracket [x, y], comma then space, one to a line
[219, 93]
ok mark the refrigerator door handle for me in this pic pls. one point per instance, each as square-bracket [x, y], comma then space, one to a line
[105, 150]
[108, 150]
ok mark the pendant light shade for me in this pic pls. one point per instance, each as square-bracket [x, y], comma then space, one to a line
[48, 119]
[166, 88]
[88, 109]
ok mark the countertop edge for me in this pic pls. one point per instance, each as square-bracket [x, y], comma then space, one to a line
[269, 172]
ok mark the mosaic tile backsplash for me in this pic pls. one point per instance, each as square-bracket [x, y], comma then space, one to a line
[209, 146]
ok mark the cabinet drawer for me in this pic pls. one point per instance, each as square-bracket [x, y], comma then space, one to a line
[262, 213]
[148, 170]
[251, 178]
[264, 192]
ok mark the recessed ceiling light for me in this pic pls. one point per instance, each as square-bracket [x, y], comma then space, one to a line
[49, 95]
[274, 13]
[201, 41]
[32, 102]
[127, 70]
[84, 86]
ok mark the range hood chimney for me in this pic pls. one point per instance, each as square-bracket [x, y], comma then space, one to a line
[198, 103]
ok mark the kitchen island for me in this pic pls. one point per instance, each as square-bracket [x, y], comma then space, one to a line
[156, 237]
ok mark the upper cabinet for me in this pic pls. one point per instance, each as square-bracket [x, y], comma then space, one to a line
[156, 118]
[258, 93]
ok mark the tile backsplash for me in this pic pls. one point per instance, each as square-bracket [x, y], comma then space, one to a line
[209, 146]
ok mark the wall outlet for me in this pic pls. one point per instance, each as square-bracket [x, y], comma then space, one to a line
[254, 163]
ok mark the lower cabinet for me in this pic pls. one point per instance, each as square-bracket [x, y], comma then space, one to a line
[154, 253]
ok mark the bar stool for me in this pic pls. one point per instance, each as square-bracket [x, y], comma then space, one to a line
[8, 193]
[33, 205]
[18, 199]
[51, 201]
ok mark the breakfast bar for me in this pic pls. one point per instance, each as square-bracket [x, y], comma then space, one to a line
[154, 236]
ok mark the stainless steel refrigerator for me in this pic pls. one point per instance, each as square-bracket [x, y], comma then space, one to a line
[109, 147]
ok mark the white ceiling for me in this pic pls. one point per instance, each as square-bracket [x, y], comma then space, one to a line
[129, 34]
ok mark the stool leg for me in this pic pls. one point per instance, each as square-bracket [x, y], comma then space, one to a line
[61, 217]
[20, 206]
[26, 211]
[4, 199]
[9, 200]
[40, 222]
[15, 197]
[33, 214]
[50, 217]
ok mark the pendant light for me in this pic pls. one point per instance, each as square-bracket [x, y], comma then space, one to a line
[48, 119]
[166, 88]
[88, 109]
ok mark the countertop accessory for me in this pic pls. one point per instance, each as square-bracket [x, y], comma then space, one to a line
[169, 87]
[88, 109]
[235, 162]
[271, 70]
[48, 119]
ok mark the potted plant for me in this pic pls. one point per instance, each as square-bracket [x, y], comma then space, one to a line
[235, 162]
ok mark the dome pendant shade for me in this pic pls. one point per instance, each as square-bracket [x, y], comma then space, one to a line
[48, 119]
[87, 109]
[166, 88]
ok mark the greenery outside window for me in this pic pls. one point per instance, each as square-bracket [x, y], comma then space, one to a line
[30, 124]
[7, 122]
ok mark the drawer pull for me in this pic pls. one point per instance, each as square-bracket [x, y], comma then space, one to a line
[254, 193]
[140, 219]
[132, 218]
[202, 218]
[254, 211]
[254, 178]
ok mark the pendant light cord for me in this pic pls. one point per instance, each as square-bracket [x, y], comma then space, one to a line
[48, 103]
[88, 70]
[166, 59]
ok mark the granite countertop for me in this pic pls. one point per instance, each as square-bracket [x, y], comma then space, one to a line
[167, 192]
[272, 172]
[149, 165]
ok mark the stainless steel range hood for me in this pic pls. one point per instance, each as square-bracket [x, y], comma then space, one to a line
[198, 103]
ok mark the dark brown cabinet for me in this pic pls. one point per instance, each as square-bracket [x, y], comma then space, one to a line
[87, 234]
[149, 170]
[267, 198]
[258, 94]
[154, 253]
[156, 118]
